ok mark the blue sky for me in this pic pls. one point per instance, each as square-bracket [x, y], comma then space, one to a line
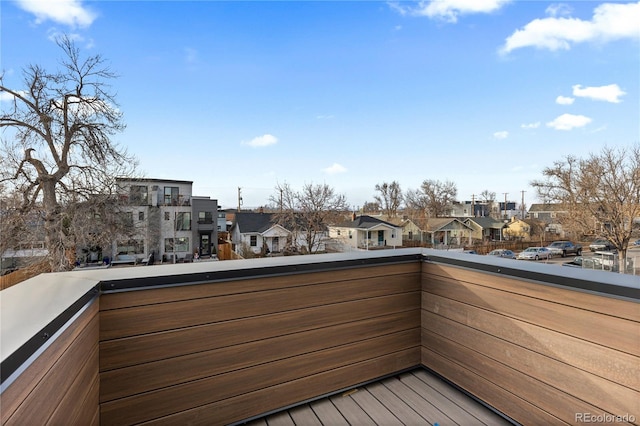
[228, 94]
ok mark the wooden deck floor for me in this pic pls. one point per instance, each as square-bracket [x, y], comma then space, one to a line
[414, 398]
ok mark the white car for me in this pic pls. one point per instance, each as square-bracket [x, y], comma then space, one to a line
[535, 253]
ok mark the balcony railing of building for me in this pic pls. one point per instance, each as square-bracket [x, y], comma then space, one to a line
[224, 342]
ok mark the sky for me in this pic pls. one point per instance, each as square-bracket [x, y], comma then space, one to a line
[252, 94]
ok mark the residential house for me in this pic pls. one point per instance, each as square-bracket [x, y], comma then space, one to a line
[550, 214]
[365, 232]
[448, 231]
[161, 212]
[259, 233]
[485, 228]
[518, 229]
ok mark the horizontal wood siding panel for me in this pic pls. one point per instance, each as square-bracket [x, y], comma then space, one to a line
[135, 350]
[599, 328]
[155, 375]
[172, 315]
[531, 349]
[228, 340]
[616, 366]
[59, 381]
[583, 300]
[263, 400]
[187, 292]
[549, 384]
[166, 401]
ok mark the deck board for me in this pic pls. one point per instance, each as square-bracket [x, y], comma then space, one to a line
[414, 398]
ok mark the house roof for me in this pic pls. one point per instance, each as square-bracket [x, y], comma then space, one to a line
[486, 222]
[444, 223]
[547, 208]
[249, 222]
[365, 222]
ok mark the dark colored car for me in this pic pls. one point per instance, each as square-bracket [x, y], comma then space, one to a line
[502, 253]
[563, 248]
[601, 245]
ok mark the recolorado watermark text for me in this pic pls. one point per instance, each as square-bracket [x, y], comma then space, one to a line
[605, 418]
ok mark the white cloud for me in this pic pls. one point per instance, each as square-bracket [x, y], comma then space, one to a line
[261, 141]
[449, 10]
[568, 122]
[558, 9]
[67, 12]
[564, 100]
[610, 21]
[530, 125]
[610, 93]
[334, 169]
[4, 96]
[324, 117]
[503, 134]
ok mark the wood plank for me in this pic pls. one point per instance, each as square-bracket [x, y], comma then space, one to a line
[328, 413]
[184, 396]
[616, 333]
[271, 398]
[444, 404]
[354, 414]
[404, 412]
[544, 397]
[304, 415]
[167, 344]
[42, 401]
[18, 391]
[280, 419]
[376, 410]
[145, 377]
[82, 393]
[579, 299]
[418, 401]
[152, 318]
[611, 364]
[518, 409]
[536, 370]
[249, 285]
[475, 408]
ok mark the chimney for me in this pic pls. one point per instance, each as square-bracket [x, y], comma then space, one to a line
[353, 216]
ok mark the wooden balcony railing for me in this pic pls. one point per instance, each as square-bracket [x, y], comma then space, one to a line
[223, 342]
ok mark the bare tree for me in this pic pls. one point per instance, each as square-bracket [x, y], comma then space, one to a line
[389, 197]
[600, 192]
[487, 196]
[56, 148]
[308, 212]
[434, 198]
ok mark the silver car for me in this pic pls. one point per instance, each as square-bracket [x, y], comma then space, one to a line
[502, 253]
[535, 253]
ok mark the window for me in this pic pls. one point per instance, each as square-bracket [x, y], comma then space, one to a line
[181, 244]
[205, 217]
[167, 216]
[253, 241]
[140, 216]
[126, 219]
[183, 221]
[130, 247]
[138, 195]
[171, 195]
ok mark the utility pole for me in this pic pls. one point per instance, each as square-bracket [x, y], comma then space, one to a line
[505, 204]
[239, 198]
[522, 204]
[473, 205]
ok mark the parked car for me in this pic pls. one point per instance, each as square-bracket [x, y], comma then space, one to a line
[601, 244]
[502, 253]
[534, 253]
[636, 243]
[562, 248]
[470, 252]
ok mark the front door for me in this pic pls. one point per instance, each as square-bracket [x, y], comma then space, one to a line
[205, 244]
[275, 245]
[380, 238]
